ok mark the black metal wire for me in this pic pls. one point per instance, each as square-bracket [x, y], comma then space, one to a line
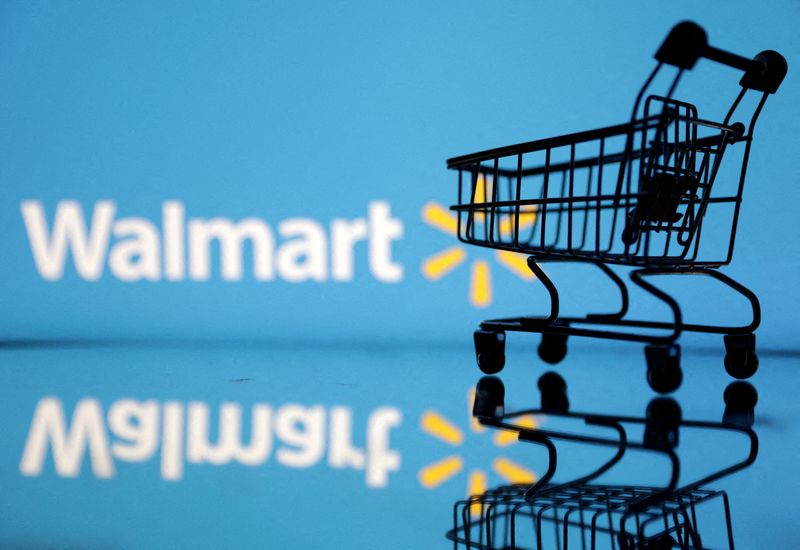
[650, 185]
[622, 516]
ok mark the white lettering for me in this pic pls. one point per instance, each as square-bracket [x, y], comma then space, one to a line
[381, 459]
[383, 230]
[341, 453]
[344, 235]
[173, 214]
[136, 428]
[49, 426]
[140, 252]
[309, 439]
[172, 441]
[309, 247]
[229, 442]
[137, 424]
[230, 237]
[69, 231]
[137, 257]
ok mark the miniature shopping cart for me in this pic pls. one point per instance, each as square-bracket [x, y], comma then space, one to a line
[588, 514]
[638, 194]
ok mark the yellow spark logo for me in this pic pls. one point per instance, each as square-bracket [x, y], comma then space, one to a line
[436, 473]
[440, 264]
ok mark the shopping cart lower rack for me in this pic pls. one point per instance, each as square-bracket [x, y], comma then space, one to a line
[636, 194]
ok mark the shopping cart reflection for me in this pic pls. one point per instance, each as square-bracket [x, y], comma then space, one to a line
[585, 512]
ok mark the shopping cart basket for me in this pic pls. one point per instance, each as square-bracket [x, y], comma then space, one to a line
[586, 516]
[592, 515]
[635, 194]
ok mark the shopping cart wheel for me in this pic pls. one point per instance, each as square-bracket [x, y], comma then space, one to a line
[741, 360]
[661, 429]
[659, 542]
[553, 348]
[662, 541]
[626, 541]
[554, 392]
[489, 398]
[490, 350]
[740, 404]
[663, 367]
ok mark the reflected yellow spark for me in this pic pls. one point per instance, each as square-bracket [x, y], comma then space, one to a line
[441, 428]
[476, 485]
[516, 263]
[504, 438]
[437, 473]
[480, 284]
[440, 218]
[512, 472]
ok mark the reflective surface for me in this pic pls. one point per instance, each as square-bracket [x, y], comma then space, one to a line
[258, 445]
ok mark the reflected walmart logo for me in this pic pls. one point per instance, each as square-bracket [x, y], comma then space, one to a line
[181, 437]
[438, 472]
[440, 264]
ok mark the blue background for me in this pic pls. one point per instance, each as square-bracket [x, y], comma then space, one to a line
[314, 109]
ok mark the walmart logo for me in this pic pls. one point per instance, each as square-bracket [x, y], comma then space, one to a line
[180, 247]
[440, 264]
[438, 472]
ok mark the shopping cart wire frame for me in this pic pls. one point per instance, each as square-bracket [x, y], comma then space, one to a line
[634, 194]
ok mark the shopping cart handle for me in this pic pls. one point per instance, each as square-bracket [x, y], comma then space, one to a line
[687, 42]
